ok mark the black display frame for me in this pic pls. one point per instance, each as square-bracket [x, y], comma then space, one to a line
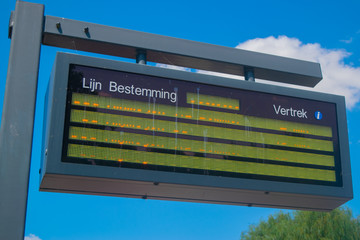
[74, 86]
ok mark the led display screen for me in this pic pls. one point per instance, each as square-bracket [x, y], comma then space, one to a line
[135, 121]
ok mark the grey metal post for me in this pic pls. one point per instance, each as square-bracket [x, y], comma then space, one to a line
[141, 56]
[17, 122]
[249, 74]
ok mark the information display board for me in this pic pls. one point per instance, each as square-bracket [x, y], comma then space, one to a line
[142, 124]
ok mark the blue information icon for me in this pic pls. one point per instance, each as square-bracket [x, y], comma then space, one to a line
[318, 115]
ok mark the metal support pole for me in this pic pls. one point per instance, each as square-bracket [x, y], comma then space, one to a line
[141, 56]
[17, 121]
[249, 74]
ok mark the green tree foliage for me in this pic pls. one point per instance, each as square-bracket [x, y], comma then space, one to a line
[338, 224]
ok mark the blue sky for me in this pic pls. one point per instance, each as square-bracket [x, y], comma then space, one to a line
[323, 31]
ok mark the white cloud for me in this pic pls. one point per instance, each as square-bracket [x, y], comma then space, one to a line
[221, 74]
[198, 71]
[347, 41]
[173, 67]
[338, 78]
[32, 237]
